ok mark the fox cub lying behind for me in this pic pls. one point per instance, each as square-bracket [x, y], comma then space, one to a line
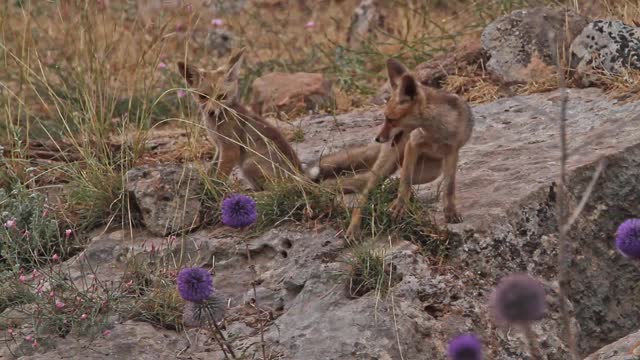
[241, 137]
[422, 134]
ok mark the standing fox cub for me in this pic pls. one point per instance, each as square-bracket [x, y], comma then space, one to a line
[423, 131]
[241, 137]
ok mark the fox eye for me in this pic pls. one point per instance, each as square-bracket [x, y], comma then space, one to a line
[221, 97]
[202, 96]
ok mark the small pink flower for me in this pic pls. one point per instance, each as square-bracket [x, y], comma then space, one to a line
[129, 283]
[217, 22]
[35, 344]
[181, 93]
[106, 333]
[162, 65]
[10, 224]
[29, 338]
[188, 8]
[34, 274]
[45, 212]
[67, 233]
[59, 304]
[84, 316]
[39, 290]
[55, 257]
[180, 27]
[310, 24]
[10, 331]
[52, 294]
[21, 279]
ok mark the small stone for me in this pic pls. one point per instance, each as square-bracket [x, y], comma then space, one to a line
[168, 196]
[290, 93]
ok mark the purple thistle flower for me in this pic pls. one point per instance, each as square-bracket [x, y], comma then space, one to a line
[217, 22]
[465, 347]
[628, 238]
[239, 211]
[195, 284]
[518, 299]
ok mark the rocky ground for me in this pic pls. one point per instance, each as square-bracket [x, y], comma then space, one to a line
[506, 193]
[507, 196]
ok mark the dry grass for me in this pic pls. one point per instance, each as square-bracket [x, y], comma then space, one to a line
[88, 91]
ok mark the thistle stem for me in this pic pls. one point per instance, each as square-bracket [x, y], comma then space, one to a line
[533, 342]
[215, 336]
[255, 297]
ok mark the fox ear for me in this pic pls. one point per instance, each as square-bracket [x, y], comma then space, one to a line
[395, 69]
[189, 73]
[408, 86]
[233, 66]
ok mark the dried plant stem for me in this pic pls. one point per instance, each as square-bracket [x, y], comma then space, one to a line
[215, 336]
[224, 340]
[255, 304]
[563, 214]
[533, 342]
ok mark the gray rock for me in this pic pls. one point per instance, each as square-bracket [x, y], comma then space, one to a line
[130, 340]
[627, 348]
[513, 40]
[168, 196]
[220, 42]
[507, 196]
[365, 18]
[608, 45]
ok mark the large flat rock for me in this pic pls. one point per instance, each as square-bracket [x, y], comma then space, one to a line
[507, 195]
[514, 149]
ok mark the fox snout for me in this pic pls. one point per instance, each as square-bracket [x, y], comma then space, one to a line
[388, 132]
[385, 132]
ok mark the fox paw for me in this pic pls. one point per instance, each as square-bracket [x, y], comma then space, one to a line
[353, 231]
[396, 208]
[453, 217]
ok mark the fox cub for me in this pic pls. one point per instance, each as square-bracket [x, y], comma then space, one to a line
[241, 137]
[422, 134]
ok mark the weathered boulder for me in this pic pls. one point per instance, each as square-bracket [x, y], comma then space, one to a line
[513, 155]
[435, 71]
[168, 196]
[608, 45]
[130, 340]
[627, 348]
[528, 36]
[290, 92]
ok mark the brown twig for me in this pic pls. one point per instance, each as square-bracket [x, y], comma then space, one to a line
[215, 336]
[533, 343]
[585, 196]
[224, 340]
[562, 213]
[255, 299]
